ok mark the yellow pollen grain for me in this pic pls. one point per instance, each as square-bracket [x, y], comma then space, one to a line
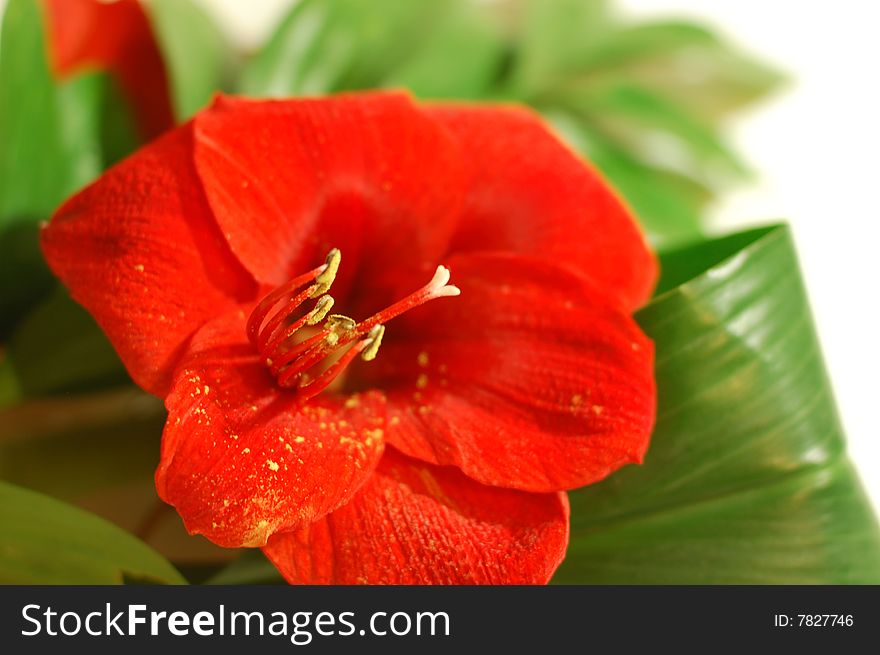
[234, 437]
[245, 451]
[352, 402]
[288, 447]
[422, 381]
[422, 359]
[272, 465]
[139, 268]
[207, 389]
[299, 439]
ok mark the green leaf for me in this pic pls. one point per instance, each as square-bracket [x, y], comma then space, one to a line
[80, 446]
[460, 58]
[24, 277]
[632, 44]
[331, 45]
[194, 51]
[746, 479]
[48, 131]
[551, 34]
[43, 541]
[657, 131]
[59, 347]
[704, 74]
[251, 567]
[119, 134]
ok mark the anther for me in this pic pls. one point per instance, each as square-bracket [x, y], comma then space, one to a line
[325, 279]
[324, 305]
[374, 339]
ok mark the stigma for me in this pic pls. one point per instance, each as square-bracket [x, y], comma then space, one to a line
[309, 360]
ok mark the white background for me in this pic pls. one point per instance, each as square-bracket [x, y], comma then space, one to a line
[816, 147]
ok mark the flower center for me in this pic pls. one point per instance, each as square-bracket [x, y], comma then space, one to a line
[309, 359]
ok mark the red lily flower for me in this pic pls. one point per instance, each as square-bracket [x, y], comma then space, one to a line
[204, 258]
[116, 37]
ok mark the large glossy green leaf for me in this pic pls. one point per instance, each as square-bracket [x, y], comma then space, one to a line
[746, 479]
[44, 541]
[48, 131]
[194, 52]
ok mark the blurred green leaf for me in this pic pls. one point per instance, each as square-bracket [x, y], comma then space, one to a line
[704, 74]
[44, 541]
[59, 347]
[461, 57]
[323, 46]
[119, 135]
[194, 51]
[657, 131]
[24, 277]
[746, 480]
[549, 36]
[251, 567]
[626, 45]
[82, 444]
[10, 393]
[48, 131]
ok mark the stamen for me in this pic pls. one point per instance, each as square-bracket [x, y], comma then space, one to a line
[375, 339]
[324, 305]
[326, 277]
[339, 340]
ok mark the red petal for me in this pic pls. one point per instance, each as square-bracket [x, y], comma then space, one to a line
[140, 250]
[117, 37]
[242, 459]
[413, 523]
[530, 194]
[369, 174]
[531, 379]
